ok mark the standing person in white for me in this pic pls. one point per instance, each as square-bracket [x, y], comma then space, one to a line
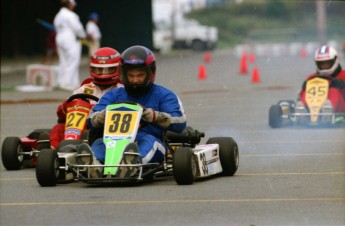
[93, 33]
[69, 31]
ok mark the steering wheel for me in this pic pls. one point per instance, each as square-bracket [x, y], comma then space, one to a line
[334, 82]
[129, 102]
[330, 78]
[84, 96]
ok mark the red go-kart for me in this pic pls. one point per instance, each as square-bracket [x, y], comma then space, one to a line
[15, 151]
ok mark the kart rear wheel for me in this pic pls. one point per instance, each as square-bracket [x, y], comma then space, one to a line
[37, 132]
[11, 159]
[228, 152]
[184, 166]
[275, 119]
[47, 168]
[43, 141]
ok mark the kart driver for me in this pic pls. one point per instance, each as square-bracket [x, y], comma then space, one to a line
[327, 63]
[162, 108]
[105, 75]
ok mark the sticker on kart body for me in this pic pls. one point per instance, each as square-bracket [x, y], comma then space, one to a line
[316, 94]
[110, 144]
[208, 162]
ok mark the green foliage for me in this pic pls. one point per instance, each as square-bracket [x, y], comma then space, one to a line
[276, 9]
[271, 21]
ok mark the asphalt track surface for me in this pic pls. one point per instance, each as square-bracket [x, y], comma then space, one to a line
[288, 176]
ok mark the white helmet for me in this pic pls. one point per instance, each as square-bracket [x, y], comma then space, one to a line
[326, 53]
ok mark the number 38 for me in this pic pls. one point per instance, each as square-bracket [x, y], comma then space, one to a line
[120, 122]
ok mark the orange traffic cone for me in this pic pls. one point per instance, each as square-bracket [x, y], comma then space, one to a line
[207, 57]
[256, 75]
[202, 72]
[252, 58]
[243, 64]
[303, 53]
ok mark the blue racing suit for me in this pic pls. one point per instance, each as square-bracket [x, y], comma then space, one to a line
[149, 136]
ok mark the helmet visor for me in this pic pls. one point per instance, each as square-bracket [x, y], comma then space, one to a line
[103, 70]
[323, 65]
[133, 79]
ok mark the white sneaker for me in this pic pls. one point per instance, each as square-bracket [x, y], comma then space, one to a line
[301, 109]
[130, 159]
[85, 156]
[327, 108]
[96, 172]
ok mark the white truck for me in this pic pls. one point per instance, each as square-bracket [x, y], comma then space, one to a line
[184, 33]
[191, 34]
[173, 30]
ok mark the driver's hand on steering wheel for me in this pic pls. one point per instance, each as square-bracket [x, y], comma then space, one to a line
[149, 115]
[98, 118]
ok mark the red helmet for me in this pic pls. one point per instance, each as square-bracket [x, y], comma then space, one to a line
[326, 54]
[138, 57]
[105, 66]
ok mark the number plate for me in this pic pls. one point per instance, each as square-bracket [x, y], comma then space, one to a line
[120, 123]
[121, 127]
[316, 94]
[75, 120]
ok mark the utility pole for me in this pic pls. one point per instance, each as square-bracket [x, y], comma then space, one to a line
[321, 21]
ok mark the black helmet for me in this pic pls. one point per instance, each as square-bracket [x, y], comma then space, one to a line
[138, 57]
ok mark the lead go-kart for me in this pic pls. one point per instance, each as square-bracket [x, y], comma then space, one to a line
[186, 159]
[318, 111]
[16, 152]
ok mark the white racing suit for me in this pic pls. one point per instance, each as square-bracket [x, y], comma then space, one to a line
[92, 29]
[69, 32]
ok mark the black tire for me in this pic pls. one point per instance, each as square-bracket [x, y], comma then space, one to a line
[43, 141]
[47, 168]
[291, 104]
[229, 154]
[42, 130]
[37, 132]
[275, 119]
[198, 45]
[184, 166]
[11, 159]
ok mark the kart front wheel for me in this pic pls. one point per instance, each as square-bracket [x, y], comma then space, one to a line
[275, 119]
[228, 153]
[10, 153]
[47, 168]
[184, 166]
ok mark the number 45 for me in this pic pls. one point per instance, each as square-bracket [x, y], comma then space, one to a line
[317, 90]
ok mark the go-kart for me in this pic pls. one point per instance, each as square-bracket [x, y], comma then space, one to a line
[16, 151]
[318, 111]
[186, 160]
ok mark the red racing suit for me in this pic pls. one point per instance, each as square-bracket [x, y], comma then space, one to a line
[56, 134]
[336, 93]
